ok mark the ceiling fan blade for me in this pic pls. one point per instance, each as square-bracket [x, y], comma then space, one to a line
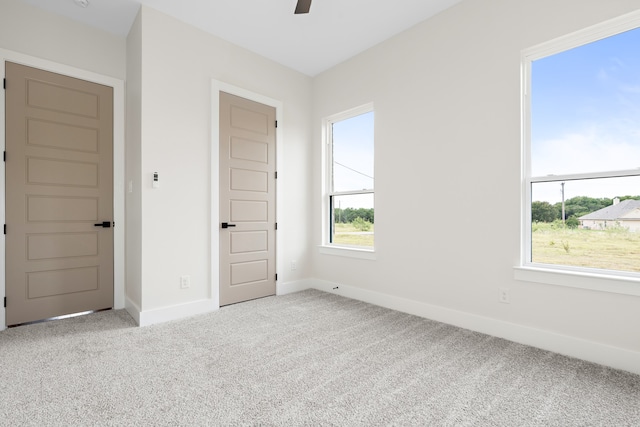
[303, 6]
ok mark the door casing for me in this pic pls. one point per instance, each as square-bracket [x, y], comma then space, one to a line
[118, 164]
[217, 87]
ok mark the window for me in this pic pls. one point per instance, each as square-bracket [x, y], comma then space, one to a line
[581, 171]
[349, 207]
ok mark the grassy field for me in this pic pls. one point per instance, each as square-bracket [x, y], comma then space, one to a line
[613, 249]
[346, 234]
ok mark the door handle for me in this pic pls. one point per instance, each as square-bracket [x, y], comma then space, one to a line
[227, 225]
[104, 224]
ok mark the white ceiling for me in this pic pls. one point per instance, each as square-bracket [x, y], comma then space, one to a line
[332, 32]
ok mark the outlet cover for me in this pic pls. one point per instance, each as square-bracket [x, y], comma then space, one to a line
[185, 282]
[503, 295]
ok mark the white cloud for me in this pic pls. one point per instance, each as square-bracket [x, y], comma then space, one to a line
[619, 63]
[603, 75]
[630, 88]
[590, 151]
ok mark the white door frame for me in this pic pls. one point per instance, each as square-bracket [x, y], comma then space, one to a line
[217, 87]
[118, 165]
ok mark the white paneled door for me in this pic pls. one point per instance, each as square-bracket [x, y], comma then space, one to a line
[247, 199]
[59, 195]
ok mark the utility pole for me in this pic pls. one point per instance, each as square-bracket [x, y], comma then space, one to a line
[562, 186]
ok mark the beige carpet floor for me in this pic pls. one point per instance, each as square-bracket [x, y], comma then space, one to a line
[305, 359]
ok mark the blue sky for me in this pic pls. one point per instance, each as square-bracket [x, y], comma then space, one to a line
[353, 152]
[585, 115]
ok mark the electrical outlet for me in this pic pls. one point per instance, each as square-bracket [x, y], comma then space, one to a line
[294, 265]
[185, 282]
[503, 295]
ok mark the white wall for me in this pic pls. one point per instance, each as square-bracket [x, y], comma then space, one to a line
[133, 182]
[35, 32]
[447, 109]
[177, 67]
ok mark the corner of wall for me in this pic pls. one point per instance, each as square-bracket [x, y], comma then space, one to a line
[294, 286]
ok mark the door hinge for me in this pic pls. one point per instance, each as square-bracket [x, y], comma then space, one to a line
[276, 225]
[4, 156]
[5, 302]
[5, 229]
[4, 83]
[276, 174]
[276, 279]
[276, 123]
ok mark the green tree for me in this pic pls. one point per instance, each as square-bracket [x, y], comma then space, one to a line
[574, 207]
[348, 215]
[366, 214]
[582, 205]
[543, 212]
[361, 224]
[572, 222]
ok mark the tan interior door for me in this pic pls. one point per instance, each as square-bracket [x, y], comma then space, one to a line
[247, 199]
[59, 191]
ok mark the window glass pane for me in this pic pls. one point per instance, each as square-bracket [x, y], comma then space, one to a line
[585, 108]
[353, 220]
[353, 153]
[601, 227]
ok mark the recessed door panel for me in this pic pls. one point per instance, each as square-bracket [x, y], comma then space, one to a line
[61, 245]
[56, 209]
[60, 282]
[248, 272]
[61, 172]
[247, 119]
[246, 149]
[62, 135]
[61, 98]
[248, 180]
[249, 210]
[249, 241]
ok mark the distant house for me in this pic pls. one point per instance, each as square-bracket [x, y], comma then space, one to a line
[620, 214]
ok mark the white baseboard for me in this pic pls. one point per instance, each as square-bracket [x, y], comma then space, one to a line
[150, 317]
[291, 287]
[133, 310]
[603, 354]
[165, 314]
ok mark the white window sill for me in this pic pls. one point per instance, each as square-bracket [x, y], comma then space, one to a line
[578, 279]
[348, 252]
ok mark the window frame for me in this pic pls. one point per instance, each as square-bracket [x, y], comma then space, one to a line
[327, 246]
[615, 281]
